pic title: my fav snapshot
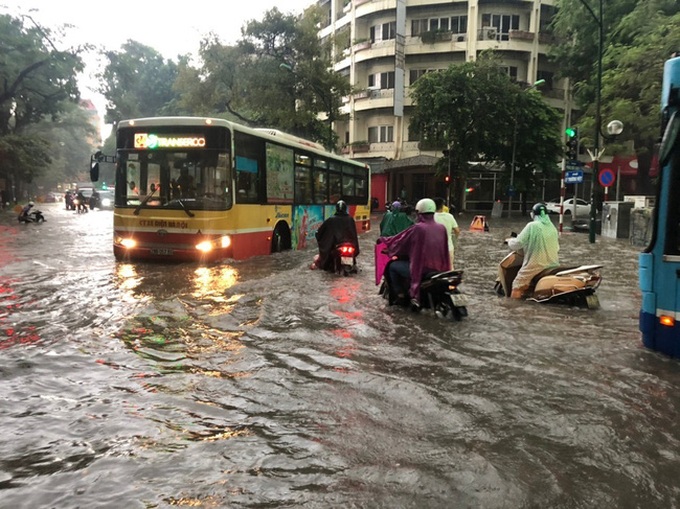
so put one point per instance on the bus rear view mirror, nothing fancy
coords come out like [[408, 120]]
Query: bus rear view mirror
[[94, 171]]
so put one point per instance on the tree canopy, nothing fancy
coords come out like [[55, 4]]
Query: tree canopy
[[476, 113], [638, 38], [37, 86], [138, 82]]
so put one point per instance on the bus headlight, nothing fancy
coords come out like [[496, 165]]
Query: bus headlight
[[205, 246], [128, 243], [225, 241]]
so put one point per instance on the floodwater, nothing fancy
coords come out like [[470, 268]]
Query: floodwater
[[260, 383]]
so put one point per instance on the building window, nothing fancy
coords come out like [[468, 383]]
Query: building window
[[381, 134], [548, 77], [414, 74], [459, 24], [503, 23], [383, 80], [510, 71], [418, 26], [383, 32], [454, 24]]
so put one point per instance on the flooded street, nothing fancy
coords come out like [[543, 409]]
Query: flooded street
[[260, 383]]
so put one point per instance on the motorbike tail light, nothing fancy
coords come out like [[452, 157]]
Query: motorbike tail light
[[347, 250], [666, 320]]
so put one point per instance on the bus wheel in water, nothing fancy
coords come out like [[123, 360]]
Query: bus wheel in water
[[280, 238]]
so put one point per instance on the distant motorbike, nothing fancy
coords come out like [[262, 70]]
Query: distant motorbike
[[570, 285], [345, 259], [80, 205], [439, 291], [68, 201], [34, 216]]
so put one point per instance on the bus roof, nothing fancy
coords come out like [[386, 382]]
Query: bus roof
[[267, 133]]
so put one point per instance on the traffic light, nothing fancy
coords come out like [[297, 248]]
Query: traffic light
[[572, 143], [447, 179]]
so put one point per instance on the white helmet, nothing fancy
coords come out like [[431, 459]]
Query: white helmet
[[30, 203], [426, 206]]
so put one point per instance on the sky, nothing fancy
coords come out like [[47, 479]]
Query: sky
[[170, 27]]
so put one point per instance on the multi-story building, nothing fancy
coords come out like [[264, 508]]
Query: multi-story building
[[384, 46]]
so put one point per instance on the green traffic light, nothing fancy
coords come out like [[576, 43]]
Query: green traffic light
[[571, 132]]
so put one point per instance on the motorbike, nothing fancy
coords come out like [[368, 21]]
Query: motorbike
[[80, 205], [34, 216], [439, 291], [570, 285], [345, 259]]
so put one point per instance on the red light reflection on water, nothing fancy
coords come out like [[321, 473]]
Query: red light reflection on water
[[11, 334], [346, 293]]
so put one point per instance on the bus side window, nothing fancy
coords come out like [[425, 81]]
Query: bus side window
[[246, 187], [303, 184], [335, 187]]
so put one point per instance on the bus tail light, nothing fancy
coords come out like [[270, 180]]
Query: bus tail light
[[666, 320]]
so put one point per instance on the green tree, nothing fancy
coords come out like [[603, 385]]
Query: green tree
[[71, 139], [137, 82], [639, 38], [276, 76], [475, 112], [37, 80]]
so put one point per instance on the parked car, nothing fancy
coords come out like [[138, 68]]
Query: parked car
[[582, 207]]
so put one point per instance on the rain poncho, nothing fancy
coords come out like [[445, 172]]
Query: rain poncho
[[393, 222], [425, 245], [540, 245], [335, 230], [450, 224]]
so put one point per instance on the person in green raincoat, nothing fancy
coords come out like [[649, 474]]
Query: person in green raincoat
[[394, 221], [539, 241]]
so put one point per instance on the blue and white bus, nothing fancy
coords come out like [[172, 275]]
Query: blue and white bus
[[660, 263]]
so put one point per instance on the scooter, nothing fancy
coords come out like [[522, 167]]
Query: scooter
[[345, 259], [34, 216], [573, 286], [80, 205], [439, 291]]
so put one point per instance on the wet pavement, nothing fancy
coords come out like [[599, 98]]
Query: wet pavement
[[260, 383]]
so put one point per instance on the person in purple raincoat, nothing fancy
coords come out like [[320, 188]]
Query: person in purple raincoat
[[422, 248]]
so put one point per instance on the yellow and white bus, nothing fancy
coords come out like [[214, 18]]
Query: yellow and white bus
[[206, 189]]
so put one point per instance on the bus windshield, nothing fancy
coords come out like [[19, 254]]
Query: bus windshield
[[174, 179]]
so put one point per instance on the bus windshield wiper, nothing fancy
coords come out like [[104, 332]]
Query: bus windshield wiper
[[144, 201], [186, 209]]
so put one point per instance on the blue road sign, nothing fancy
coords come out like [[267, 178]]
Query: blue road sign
[[573, 177]]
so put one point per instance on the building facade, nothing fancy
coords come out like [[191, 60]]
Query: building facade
[[384, 46]]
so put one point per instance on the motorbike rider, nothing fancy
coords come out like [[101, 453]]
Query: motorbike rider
[[26, 210], [539, 242], [394, 221], [82, 201], [335, 230], [443, 216], [416, 251]]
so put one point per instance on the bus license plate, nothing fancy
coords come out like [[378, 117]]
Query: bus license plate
[[459, 300], [164, 251], [346, 260]]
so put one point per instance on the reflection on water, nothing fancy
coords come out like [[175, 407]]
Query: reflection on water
[[261, 383]]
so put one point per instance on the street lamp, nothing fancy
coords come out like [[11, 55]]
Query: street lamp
[[598, 117], [514, 148], [327, 99]]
